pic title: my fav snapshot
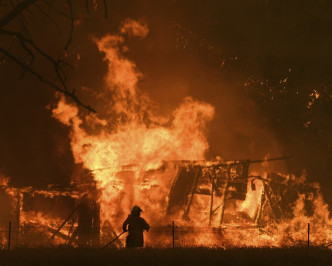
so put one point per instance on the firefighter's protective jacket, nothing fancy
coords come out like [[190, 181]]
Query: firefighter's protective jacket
[[136, 226]]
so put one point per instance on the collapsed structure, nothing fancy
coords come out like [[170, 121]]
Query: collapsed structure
[[202, 194], [36, 216], [221, 182]]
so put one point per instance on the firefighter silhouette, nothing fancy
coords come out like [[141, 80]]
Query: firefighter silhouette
[[136, 225]]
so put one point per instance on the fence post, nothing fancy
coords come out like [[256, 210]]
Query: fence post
[[9, 233], [173, 233], [308, 234]]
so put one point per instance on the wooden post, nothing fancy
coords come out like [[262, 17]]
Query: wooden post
[[308, 234], [186, 213], [66, 220], [224, 194], [173, 233], [211, 200], [17, 223], [9, 233]]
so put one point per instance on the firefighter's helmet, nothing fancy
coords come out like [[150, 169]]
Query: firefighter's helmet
[[136, 209]]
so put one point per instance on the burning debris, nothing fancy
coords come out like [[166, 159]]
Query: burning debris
[[36, 216], [212, 203], [137, 157], [221, 182]]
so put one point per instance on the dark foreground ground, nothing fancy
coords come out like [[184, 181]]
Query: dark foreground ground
[[177, 256]]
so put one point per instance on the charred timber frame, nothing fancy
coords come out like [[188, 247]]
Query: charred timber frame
[[212, 177], [74, 212], [18, 216], [224, 194], [212, 168], [75, 194], [186, 213], [92, 236]]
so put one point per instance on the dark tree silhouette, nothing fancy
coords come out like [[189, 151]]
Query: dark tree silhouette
[[18, 45]]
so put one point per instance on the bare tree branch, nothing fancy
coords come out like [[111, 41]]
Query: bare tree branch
[[106, 8], [71, 24], [29, 41], [47, 15], [33, 51], [64, 14], [56, 63], [16, 11], [71, 94], [21, 20]]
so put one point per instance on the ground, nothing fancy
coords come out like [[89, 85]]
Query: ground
[[176, 256]]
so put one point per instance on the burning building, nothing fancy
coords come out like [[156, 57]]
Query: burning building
[[39, 216], [213, 203], [137, 157]]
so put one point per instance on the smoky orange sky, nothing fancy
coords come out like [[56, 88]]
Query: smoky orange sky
[[203, 50]]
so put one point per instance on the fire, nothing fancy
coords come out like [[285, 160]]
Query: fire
[[139, 137], [128, 163], [138, 157]]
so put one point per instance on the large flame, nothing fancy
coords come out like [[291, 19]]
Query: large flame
[[134, 153], [126, 160], [139, 137]]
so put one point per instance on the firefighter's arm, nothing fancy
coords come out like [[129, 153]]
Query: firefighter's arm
[[124, 226], [146, 226]]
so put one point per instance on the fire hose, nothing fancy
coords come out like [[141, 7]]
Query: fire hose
[[109, 243]]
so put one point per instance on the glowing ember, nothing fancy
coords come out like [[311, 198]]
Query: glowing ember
[[134, 141], [140, 158], [143, 141]]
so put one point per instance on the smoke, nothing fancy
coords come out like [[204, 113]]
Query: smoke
[[134, 28], [137, 134]]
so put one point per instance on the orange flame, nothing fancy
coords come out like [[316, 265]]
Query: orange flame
[[134, 141], [126, 161]]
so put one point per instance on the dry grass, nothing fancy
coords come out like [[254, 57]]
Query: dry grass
[[177, 256]]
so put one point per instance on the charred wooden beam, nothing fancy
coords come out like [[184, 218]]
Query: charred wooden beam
[[224, 195], [16, 11], [65, 221], [186, 213]]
